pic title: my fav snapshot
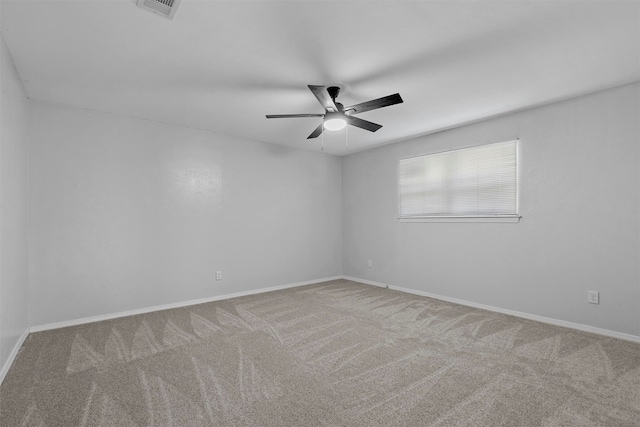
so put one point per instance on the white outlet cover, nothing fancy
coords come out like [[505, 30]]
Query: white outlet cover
[[593, 297]]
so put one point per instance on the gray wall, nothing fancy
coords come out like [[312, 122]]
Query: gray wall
[[13, 206], [579, 199], [128, 213]]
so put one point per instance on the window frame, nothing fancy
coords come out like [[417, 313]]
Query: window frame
[[452, 218]]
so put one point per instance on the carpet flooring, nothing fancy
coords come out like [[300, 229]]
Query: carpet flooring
[[333, 354]]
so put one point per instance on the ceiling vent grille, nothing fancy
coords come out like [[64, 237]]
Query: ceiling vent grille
[[165, 8]]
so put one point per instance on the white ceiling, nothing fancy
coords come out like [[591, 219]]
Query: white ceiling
[[223, 65]]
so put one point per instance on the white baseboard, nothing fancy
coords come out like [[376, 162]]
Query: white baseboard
[[13, 354], [571, 325], [551, 321], [101, 317], [366, 282]]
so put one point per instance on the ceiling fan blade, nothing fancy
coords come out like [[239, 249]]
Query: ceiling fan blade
[[363, 124], [323, 97], [288, 116], [375, 103], [317, 131]]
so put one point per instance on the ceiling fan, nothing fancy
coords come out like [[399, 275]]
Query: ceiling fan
[[336, 116]]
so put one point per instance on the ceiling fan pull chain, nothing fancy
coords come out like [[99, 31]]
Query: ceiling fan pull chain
[[322, 144], [346, 131]]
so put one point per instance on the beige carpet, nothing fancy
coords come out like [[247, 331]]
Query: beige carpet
[[334, 354]]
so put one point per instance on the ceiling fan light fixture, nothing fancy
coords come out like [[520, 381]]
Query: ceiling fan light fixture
[[334, 121]]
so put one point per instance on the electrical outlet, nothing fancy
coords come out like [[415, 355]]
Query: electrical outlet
[[218, 275], [370, 264], [593, 297]]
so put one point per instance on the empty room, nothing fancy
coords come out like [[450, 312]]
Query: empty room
[[319, 213]]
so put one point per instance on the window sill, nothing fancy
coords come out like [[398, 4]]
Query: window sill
[[513, 218]]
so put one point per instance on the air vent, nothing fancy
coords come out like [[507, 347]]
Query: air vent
[[165, 8]]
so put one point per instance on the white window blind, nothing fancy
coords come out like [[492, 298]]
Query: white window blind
[[471, 182]]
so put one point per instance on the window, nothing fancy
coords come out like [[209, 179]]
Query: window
[[472, 183]]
